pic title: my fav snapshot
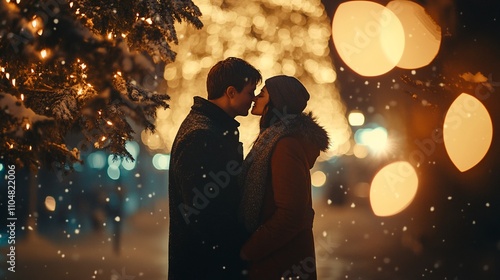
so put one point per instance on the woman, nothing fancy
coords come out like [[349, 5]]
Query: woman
[[276, 203]]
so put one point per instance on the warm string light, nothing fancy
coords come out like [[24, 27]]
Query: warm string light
[[43, 53], [37, 25]]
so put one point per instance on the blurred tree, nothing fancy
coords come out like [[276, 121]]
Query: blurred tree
[[85, 66]]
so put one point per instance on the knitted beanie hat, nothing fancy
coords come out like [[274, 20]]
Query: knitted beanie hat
[[287, 94]]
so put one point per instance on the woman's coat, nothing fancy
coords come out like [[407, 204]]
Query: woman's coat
[[283, 243]]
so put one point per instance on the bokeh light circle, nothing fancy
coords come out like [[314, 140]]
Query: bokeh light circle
[[467, 132], [393, 188], [422, 34], [369, 37]]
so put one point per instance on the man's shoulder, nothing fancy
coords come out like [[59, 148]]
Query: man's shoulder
[[195, 127], [197, 121]]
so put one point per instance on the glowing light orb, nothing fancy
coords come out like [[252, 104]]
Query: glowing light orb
[[467, 132], [97, 160], [50, 203], [113, 172], [393, 188], [376, 139], [356, 118], [161, 161], [318, 178], [422, 34], [369, 37]]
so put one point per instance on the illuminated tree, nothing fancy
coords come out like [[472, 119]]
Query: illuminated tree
[[277, 37], [85, 66]]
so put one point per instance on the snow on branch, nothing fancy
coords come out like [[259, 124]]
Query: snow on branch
[[82, 66]]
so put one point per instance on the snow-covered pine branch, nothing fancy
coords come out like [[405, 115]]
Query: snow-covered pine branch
[[81, 66]]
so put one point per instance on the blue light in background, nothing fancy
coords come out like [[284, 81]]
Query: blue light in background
[[161, 161], [114, 162], [97, 160], [114, 172], [376, 139]]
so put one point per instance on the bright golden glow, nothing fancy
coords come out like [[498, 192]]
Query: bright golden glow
[[356, 118], [277, 37], [368, 37], [318, 178], [43, 53], [37, 23], [467, 132], [393, 188], [50, 203], [422, 34], [360, 151]]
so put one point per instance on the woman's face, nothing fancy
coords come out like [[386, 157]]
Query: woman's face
[[260, 104]]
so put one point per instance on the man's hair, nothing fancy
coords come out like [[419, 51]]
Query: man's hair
[[231, 71]]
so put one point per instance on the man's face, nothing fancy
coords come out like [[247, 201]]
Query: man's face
[[242, 101]]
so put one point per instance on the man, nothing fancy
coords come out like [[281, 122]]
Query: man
[[205, 236]]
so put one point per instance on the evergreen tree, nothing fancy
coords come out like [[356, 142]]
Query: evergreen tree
[[83, 65]]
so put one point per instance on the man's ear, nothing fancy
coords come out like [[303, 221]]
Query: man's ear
[[231, 92]]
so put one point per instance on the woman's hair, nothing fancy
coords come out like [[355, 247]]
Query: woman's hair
[[269, 117]]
